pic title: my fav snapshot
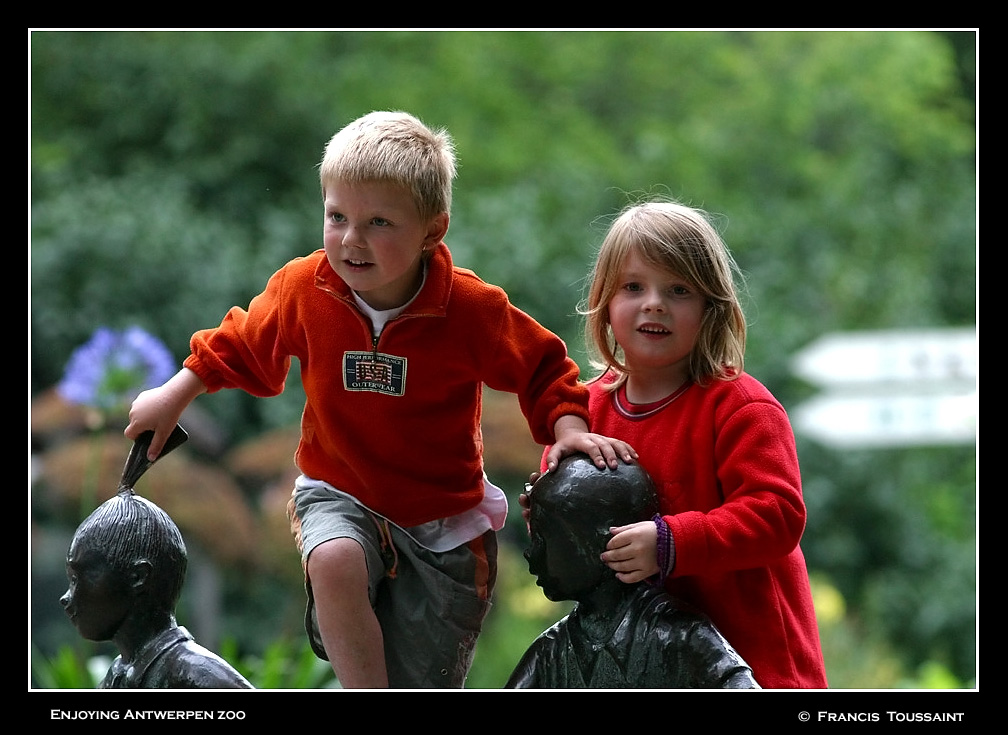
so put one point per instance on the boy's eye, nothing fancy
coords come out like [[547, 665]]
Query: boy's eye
[[336, 217], [381, 222]]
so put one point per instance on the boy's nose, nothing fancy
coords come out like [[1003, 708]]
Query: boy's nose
[[352, 238]]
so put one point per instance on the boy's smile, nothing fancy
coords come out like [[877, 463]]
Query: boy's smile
[[375, 238]]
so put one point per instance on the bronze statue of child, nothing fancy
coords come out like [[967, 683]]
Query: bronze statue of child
[[618, 635], [126, 566]]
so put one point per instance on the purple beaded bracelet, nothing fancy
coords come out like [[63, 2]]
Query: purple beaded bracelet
[[666, 548]]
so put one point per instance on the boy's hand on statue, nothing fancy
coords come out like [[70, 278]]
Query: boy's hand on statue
[[572, 436], [159, 409], [632, 552], [152, 411]]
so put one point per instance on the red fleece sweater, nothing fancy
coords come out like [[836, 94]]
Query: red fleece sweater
[[723, 458], [395, 421]]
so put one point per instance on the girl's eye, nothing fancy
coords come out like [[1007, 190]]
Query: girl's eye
[[632, 286], [680, 290]]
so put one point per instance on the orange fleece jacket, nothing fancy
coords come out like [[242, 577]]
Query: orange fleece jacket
[[395, 422]]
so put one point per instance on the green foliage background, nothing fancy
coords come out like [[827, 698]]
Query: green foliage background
[[173, 172]]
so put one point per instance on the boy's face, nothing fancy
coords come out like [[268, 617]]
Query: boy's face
[[98, 598], [374, 239]]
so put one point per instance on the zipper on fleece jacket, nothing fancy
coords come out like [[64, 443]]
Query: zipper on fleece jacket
[[368, 326], [376, 338]]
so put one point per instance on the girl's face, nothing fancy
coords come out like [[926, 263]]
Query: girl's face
[[374, 238], [655, 317]]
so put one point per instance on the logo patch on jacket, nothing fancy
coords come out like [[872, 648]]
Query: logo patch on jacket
[[375, 372]]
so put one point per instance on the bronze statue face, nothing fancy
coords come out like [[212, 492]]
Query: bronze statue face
[[566, 567], [98, 598]]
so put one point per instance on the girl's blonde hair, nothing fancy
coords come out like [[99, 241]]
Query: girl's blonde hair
[[681, 239], [394, 147]]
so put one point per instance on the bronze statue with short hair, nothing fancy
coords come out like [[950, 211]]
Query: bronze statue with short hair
[[126, 566], [618, 635]]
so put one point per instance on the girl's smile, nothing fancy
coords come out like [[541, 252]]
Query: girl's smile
[[657, 330], [655, 317]]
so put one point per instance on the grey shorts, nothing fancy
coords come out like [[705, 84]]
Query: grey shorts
[[430, 605]]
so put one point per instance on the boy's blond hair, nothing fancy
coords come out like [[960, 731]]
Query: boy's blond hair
[[680, 239], [394, 147]]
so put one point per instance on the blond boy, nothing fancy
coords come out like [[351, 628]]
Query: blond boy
[[393, 515]]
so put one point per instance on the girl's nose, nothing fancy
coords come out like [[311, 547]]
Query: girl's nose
[[653, 302]]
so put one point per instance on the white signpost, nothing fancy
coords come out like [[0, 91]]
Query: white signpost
[[890, 388]]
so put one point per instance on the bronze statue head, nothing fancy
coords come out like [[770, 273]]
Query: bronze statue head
[[126, 558], [571, 510]]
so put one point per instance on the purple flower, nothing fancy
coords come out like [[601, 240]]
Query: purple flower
[[113, 367]]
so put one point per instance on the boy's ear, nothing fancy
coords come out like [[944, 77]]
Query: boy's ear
[[436, 230], [140, 572]]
